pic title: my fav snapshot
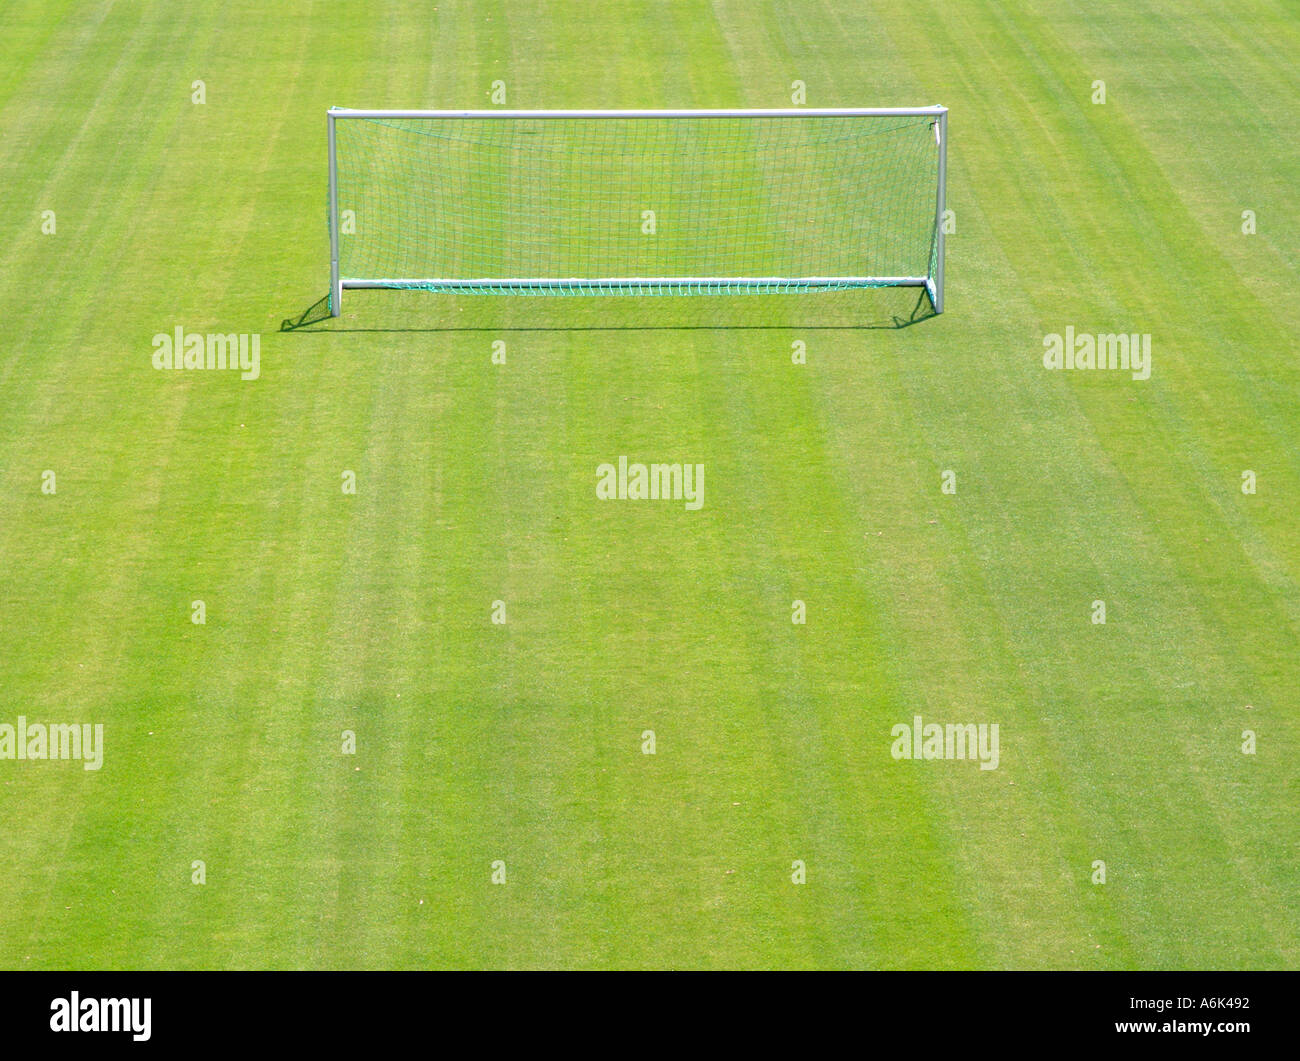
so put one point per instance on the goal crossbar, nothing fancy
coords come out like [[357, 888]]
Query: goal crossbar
[[932, 281], [780, 112]]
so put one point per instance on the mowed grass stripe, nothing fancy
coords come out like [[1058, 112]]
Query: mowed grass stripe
[[78, 619], [856, 372]]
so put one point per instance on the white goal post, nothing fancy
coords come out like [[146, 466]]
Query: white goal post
[[637, 201]]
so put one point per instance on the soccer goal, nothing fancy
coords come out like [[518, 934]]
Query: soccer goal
[[637, 202]]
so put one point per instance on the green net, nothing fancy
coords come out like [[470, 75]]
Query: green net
[[636, 205]]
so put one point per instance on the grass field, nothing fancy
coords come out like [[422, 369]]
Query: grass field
[[522, 741]]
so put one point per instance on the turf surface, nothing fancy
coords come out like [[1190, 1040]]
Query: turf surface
[[522, 742]]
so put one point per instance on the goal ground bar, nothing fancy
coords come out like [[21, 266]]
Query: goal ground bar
[[498, 283]]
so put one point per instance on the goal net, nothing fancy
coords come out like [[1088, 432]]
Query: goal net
[[637, 202]]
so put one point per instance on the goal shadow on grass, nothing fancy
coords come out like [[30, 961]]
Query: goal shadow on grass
[[414, 311]]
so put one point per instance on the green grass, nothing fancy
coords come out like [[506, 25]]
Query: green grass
[[479, 742]]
